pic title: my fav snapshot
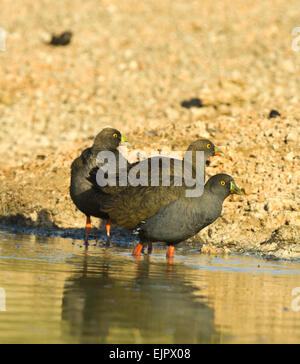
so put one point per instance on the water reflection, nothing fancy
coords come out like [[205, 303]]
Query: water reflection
[[153, 304], [56, 292]]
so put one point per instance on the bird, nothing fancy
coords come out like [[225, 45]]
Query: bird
[[84, 192], [166, 214]]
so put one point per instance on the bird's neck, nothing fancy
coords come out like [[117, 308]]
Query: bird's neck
[[206, 208]]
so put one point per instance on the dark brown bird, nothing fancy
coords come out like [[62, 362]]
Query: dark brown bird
[[85, 193], [166, 214]]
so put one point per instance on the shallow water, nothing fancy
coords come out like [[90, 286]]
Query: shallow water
[[53, 291]]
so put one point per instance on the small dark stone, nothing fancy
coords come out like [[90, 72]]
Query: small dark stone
[[209, 232], [62, 39], [273, 114], [194, 102]]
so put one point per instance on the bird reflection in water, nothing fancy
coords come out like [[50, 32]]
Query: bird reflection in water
[[116, 299]]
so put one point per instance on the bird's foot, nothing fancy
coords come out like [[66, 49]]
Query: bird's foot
[[170, 252], [88, 227], [137, 250]]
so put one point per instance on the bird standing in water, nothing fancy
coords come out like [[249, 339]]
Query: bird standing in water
[[85, 194], [166, 214]]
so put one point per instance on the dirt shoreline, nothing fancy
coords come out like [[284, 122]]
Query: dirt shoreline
[[281, 244], [131, 66]]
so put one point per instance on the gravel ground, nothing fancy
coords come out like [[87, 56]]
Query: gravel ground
[[130, 65]]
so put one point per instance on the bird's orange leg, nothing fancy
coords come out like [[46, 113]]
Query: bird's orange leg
[[170, 252], [108, 226], [137, 250], [88, 227]]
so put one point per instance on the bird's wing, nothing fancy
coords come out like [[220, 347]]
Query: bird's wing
[[81, 160], [111, 190], [135, 204]]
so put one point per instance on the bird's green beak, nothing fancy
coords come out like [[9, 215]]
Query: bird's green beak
[[124, 140], [234, 188], [219, 152]]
